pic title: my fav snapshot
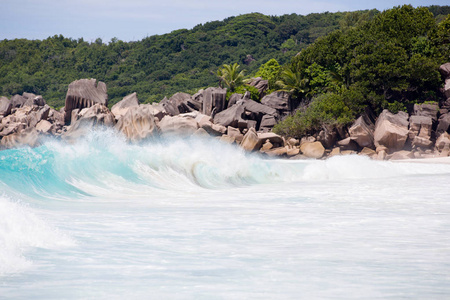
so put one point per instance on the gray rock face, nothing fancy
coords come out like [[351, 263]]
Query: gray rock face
[[426, 110], [27, 137], [178, 125], [232, 116], [120, 108], [84, 93], [177, 104], [391, 131], [267, 123], [251, 141], [5, 106], [445, 70], [138, 123], [327, 136], [420, 128], [273, 138], [259, 83], [447, 88], [234, 98], [443, 124], [312, 149], [258, 108], [37, 100], [278, 101], [443, 142], [23, 117], [214, 99], [362, 132], [87, 118], [27, 99]]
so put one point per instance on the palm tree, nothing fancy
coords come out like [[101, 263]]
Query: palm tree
[[230, 76], [293, 83]]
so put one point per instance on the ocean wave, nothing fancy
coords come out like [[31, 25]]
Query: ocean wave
[[20, 230], [103, 161]]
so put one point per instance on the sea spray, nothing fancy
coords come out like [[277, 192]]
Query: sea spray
[[196, 218], [21, 230]]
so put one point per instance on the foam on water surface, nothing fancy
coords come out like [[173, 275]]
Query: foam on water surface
[[198, 219]]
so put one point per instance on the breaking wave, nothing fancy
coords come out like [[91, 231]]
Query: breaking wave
[[104, 161]]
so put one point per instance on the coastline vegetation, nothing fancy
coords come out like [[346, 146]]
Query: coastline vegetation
[[335, 65]]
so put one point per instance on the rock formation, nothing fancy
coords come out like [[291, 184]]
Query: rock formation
[[84, 93], [121, 107], [391, 131], [138, 123], [247, 123]]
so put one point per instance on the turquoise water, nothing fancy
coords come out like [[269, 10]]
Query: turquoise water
[[197, 219]]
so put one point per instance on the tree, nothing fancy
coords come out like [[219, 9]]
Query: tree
[[230, 76], [291, 81], [269, 71]]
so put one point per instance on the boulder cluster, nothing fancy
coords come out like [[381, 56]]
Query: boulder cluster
[[24, 119]]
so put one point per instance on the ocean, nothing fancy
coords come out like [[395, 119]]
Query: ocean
[[195, 218]]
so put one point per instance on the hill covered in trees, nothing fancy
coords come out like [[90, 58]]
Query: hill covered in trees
[[390, 62], [186, 60], [161, 65]]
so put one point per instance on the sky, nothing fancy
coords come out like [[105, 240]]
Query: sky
[[133, 20]]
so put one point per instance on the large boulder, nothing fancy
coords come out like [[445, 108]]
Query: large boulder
[[258, 108], [22, 118], [235, 134], [420, 128], [362, 132], [251, 141], [232, 116], [391, 131], [312, 149], [273, 138], [177, 104], [37, 114], [86, 119], [138, 123], [427, 110], [5, 106], [45, 127], [34, 100], [445, 70], [26, 99], [443, 124], [447, 88], [261, 84], [84, 93], [182, 124], [214, 100], [18, 101], [327, 136], [27, 137], [120, 108], [443, 142], [206, 123], [234, 98], [267, 123], [278, 101]]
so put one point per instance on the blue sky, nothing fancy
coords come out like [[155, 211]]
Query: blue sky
[[132, 20]]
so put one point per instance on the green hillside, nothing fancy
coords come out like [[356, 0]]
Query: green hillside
[[161, 65]]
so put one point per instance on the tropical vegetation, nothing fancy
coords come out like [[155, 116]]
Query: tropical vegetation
[[335, 65]]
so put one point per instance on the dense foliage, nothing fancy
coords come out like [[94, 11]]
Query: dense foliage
[[390, 61], [160, 65]]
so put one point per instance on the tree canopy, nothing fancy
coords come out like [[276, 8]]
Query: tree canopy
[[390, 61], [160, 65]]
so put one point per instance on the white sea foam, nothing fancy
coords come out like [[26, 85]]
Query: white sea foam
[[21, 230], [197, 219]]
